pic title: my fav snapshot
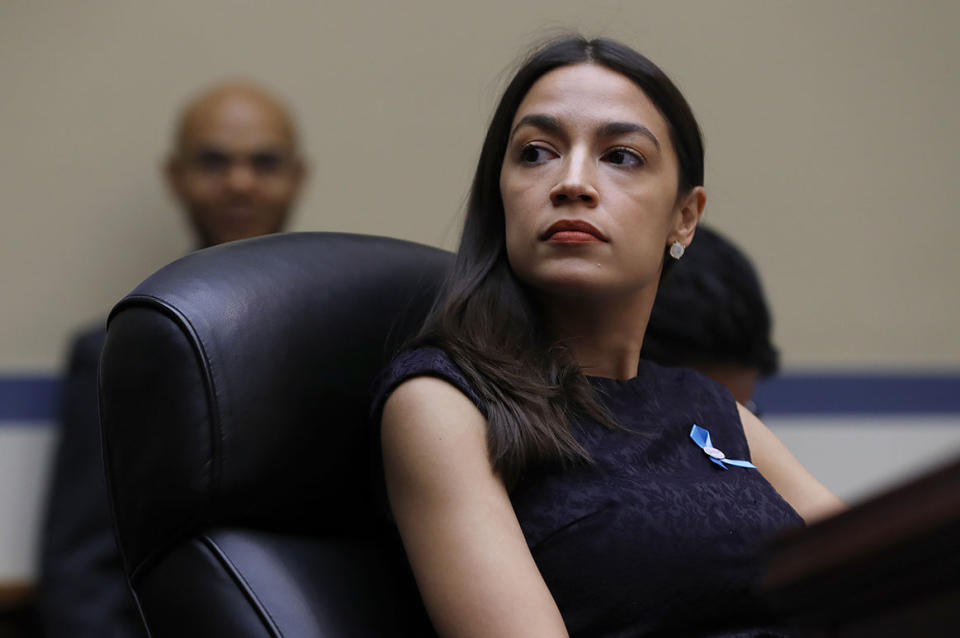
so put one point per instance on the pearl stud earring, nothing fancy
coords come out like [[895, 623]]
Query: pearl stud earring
[[676, 250]]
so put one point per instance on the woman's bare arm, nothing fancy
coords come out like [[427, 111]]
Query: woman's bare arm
[[473, 567], [812, 500]]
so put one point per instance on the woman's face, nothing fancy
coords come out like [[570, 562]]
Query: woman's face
[[589, 186]]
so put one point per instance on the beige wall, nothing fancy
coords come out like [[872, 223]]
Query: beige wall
[[831, 136]]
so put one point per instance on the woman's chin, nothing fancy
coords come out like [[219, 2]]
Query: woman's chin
[[578, 285]]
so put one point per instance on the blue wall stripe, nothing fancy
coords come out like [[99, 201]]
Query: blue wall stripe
[[846, 393], [36, 398], [33, 398]]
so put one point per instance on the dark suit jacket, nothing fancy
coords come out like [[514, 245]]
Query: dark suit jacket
[[83, 591]]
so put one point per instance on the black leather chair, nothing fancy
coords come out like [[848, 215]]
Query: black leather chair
[[234, 390]]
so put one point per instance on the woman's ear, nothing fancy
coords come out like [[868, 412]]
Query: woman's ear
[[688, 216]]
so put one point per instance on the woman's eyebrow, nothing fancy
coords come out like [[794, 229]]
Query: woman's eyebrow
[[613, 129], [542, 121], [550, 124]]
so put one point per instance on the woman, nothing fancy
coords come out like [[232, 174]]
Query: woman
[[544, 479]]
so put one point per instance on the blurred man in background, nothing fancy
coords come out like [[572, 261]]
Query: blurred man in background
[[711, 315], [235, 169]]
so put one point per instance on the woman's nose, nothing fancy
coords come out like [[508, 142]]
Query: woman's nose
[[576, 183]]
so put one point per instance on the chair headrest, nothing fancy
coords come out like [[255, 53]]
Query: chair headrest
[[235, 384]]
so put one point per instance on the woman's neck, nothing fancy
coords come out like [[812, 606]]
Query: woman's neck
[[604, 336]]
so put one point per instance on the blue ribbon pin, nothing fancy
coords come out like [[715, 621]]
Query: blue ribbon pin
[[702, 438]]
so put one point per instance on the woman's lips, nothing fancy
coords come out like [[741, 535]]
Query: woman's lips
[[572, 231], [572, 237]]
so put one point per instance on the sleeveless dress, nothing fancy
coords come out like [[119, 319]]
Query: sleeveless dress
[[653, 539]]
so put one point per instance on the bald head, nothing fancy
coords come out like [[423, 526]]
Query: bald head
[[235, 108], [235, 166]]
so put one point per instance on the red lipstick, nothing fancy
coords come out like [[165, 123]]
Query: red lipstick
[[572, 231]]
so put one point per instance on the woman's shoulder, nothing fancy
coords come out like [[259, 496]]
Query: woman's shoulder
[[426, 361]]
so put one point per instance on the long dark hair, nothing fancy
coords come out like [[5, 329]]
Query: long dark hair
[[486, 320]]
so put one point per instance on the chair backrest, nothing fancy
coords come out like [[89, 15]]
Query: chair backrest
[[234, 389]]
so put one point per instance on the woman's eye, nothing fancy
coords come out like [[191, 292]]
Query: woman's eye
[[531, 154], [624, 157]]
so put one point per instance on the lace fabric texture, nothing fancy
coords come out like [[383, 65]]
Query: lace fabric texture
[[653, 538]]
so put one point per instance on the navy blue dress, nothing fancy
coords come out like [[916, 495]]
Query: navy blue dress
[[654, 539]]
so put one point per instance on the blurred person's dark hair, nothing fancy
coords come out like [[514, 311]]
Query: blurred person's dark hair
[[710, 312]]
